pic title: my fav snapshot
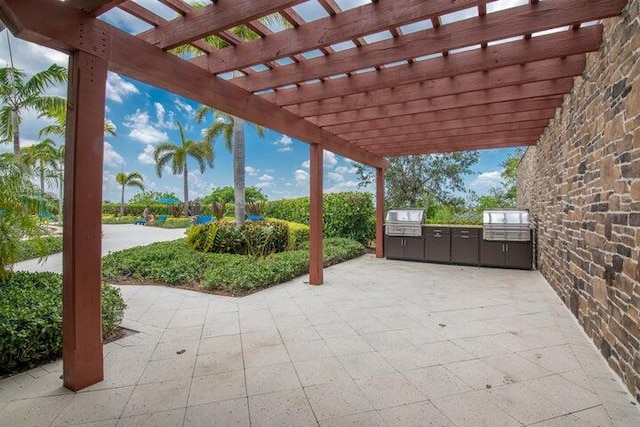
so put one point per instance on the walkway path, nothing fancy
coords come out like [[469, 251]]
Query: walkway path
[[115, 238]]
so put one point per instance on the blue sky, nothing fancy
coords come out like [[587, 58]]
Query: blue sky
[[145, 116]]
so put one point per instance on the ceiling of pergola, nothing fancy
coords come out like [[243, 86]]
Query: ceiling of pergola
[[383, 78]]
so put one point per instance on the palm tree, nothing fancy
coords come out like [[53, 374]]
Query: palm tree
[[133, 179], [232, 131], [18, 94], [59, 128], [177, 156], [42, 157]]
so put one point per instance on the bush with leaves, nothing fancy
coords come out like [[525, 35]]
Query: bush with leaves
[[29, 249], [350, 214], [31, 318]]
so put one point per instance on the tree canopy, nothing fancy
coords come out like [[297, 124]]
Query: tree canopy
[[227, 195]]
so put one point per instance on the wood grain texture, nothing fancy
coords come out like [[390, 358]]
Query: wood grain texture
[[315, 214], [379, 213]]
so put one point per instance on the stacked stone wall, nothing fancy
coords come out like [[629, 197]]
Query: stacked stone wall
[[582, 185]]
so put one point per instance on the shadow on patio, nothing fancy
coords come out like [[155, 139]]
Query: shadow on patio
[[380, 343]]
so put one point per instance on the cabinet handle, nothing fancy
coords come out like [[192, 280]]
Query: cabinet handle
[[503, 248], [464, 237], [464, 231], [507, 247]]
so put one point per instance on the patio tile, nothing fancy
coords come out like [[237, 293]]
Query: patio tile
[[515, 367], [265, 356], [168, 369], [256, 320], [442, 352], [217, 387], [523, 404], [406, 358], [369, 419], [335, 330], [478, 374], [555, 359], [234, 412], [385, 340], [365, 365], [218, 344], [385, 391], [337, 399], [36, 412], [272, 378], [302, 333], [348, 345], [94, 406], [599, 416], [321, 371], [157, 397], [436, 381], [309, 350], [188, 317], [473, 410], [260, 339], [283, 408], [481, 346], [420, 335], [174, 350], [415, 415], [563, 393], [226, 323], [171, 418], [218, 362], [182, 334]]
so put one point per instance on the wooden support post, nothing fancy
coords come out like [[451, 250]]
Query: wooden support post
[[379, 213], [315, 215], [81, 313]]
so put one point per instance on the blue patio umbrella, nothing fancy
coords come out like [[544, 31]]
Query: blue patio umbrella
[[167, 200]]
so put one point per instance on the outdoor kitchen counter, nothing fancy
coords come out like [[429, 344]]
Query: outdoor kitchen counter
[[459, 244]]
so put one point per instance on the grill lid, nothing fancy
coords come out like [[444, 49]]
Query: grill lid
[[405, 216], [505, 217]]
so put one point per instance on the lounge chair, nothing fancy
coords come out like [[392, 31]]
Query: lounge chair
[[161, 218], [203, 219], [140, 221]]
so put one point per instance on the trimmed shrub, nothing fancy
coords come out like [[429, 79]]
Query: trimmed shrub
[[30, 249], [31, 318], [350, 215]]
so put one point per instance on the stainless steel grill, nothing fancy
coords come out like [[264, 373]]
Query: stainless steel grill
[[404, 222], [508, 225]]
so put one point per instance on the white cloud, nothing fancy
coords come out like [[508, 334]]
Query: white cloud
[[142, 130], [264, 184], [118, 89], [306, 164], [111, 156], [250, 170], [329, 159], [198, 185], [265, 177], [113, 125], [160, 117], [301, 177], [342, 169], [183, 106], [283, 143], [486, 181], [333, 176], [146, 156], [342, 186]]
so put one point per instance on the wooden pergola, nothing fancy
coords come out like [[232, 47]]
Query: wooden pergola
[[386, 78]]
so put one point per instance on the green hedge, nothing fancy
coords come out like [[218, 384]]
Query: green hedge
[[31, 318], [350, 215], [134, 210], [173, 263], [30, 249]]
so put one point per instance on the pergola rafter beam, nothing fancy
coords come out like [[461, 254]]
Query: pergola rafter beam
[[211, 19], [346, 25], [549, 69], [59, 26], [453, 144], [509, 93], [494, 26], [551, 46], [463, 113], [95, 7]]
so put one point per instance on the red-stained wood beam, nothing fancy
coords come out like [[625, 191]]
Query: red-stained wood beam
[[508, 93], [59, 26], [178, 6], [346, 25], [82, 237], [493, 26], [427, 128], [315, 215], [379, 213], [219, 16], [142, 13], [456, 144], [550, 69], [550, 46], [95, 7], [514, 128], [484, 112]]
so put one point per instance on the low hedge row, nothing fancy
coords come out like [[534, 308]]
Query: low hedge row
[[30, 249], [175, 264], [31, 318]]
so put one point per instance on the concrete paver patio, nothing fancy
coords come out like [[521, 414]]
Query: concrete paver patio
[[381, 343]]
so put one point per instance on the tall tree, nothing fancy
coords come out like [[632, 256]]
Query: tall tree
[[510, 173], [43, 157], [413, 180], [133, 179], [177, 156], [232, 131], [59, 128], [17, 93]]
